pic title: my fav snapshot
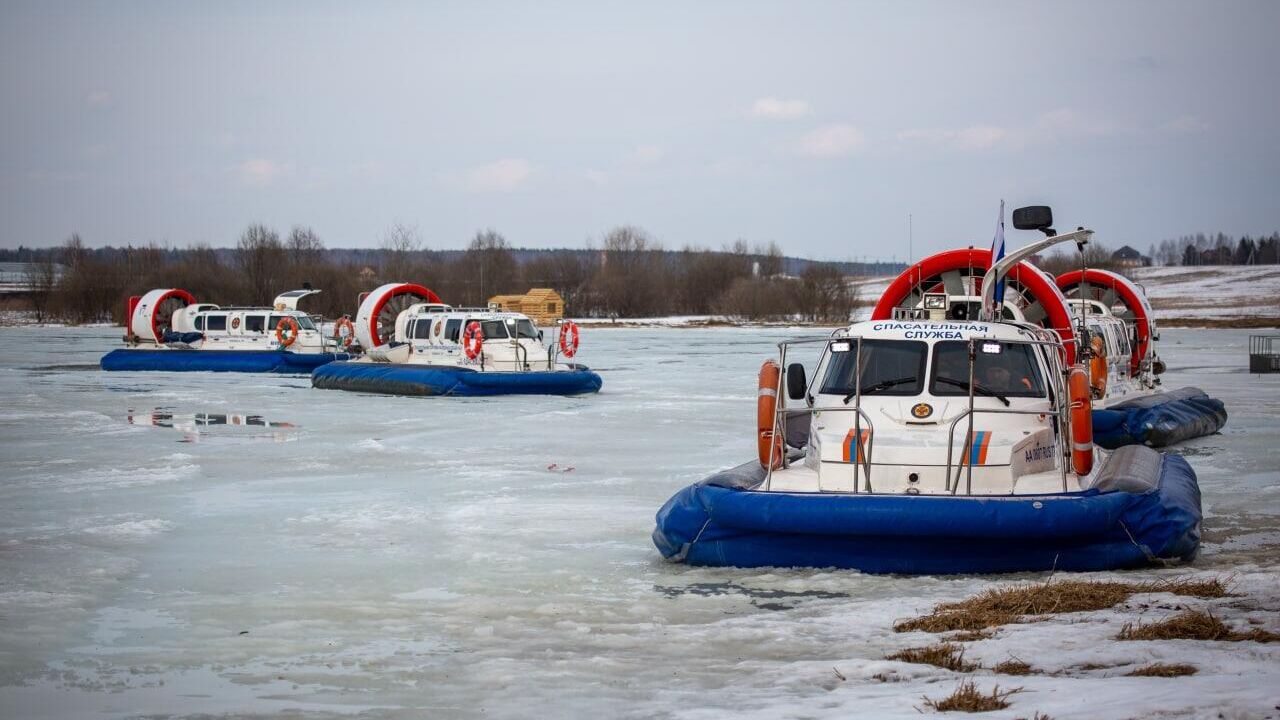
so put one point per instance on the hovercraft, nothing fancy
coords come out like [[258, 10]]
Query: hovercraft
[[166, 329], [430, 348], [1130, 406], [944, 435]]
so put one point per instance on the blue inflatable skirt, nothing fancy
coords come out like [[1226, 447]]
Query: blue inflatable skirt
[[254, 361], [1159, 420], [720, 522], [404, 379]]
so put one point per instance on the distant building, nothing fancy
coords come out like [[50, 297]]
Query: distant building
[[544, 306], [1128, 257]]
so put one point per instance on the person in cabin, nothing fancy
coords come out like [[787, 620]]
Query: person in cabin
[[998, 378]]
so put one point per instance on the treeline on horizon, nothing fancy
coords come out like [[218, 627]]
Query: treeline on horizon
[[629, 275], [1219, 249]]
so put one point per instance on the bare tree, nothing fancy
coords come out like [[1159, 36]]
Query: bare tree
[[632, 280], [262, 259], [87, 289], [770, 259], [757, 298], [566, 272], [824, 295], [486, 269], [702, 276], [306, 255], [304, 245], [400, 243], [41, 275]]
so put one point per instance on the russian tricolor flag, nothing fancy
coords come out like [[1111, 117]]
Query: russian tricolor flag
[[997, 252]]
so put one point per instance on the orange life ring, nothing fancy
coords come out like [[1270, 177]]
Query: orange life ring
[[1081, 420], [768, 445], [349, 337], [472, 340], [569, 338], [1098, 367], [287, 340]]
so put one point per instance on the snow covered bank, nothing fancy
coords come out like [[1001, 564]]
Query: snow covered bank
[[1185, 296]]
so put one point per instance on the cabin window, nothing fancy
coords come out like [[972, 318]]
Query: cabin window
[[215, 322], [889, 367], [199, 322], [452, 329], [304, 322], [421, 330], [526, 330], [493, 329], [254, 323], [1005, 369]]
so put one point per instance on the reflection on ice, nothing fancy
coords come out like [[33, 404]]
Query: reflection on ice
[[203, 424]]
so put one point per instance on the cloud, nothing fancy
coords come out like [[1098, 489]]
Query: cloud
[[974, 137], [777, 109], [501, 176], [259, 172], [98, 99], [832, 141], [1062, 125]]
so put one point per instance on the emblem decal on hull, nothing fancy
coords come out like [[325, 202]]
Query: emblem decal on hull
[[921, 410]]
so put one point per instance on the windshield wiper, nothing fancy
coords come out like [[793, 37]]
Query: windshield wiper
[[976, 388], [870, 390]]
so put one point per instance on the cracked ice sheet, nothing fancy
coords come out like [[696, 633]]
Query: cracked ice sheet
[[409, 557]]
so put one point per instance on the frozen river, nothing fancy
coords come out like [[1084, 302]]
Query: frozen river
[[199, 544]]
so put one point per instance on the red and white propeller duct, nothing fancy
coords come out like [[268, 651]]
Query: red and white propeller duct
[[151, 315], [376, 319], [1125, 300]]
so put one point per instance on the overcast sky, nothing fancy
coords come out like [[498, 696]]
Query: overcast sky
[[818, 126]]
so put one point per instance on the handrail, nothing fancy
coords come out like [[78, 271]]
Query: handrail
[[1055, 375], [951, 436], [861, 458]]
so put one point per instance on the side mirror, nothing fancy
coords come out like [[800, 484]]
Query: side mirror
[[1033, 217], [796, 382], [539, 336]]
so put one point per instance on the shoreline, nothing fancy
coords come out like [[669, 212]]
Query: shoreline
[[1214, 323]]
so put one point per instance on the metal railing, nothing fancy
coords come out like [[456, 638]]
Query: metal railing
[[861, 456], [1264, 353], [1056, 375], [1059, 407]]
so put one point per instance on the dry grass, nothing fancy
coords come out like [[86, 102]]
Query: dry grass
[[1038, 716], [967, 698], [971, 636], [1193, 625], [1001, 606], [943, 655], [1014, 666], [1163, 670], [1094, 666]]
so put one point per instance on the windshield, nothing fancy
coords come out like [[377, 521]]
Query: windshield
[[525, 329], [1007, 369], [889, 367]]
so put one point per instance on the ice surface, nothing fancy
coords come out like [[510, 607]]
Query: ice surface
[[162, 554]]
